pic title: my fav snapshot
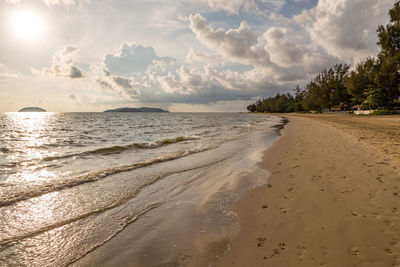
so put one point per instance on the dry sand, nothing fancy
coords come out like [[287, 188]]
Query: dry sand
[[333, 198]]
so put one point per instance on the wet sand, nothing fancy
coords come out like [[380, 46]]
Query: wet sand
[[333, 198]]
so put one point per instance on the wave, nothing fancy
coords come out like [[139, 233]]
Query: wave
[[127, 221], [17, 193], [105, 150], [4, 244], [8, 241], [4, 150], [119, 149]]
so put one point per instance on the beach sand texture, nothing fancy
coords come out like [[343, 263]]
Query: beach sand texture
[[333, 198]]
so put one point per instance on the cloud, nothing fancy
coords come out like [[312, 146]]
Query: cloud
[[194, 55], [110, 82], [62, 64], [238, 45], [75, 72], [6, 74], [219, 106], [345, 28], [271, 54], [282, 52], [167, 81], [60, 2], [137, 73], [131, 58], [55, 2], [242, 64], [231, 6], [9, 75], [258, 7]]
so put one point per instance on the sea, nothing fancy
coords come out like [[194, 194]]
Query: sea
[[126, 189]]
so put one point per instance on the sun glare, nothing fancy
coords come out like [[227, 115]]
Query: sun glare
[[28, 25]]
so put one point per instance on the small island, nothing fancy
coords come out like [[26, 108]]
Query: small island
[[32, 109], [142, 109]]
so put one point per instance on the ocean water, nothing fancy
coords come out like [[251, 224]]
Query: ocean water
[[106, 188]]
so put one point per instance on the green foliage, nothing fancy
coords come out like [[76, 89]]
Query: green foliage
[[328, 88], [386, 74], [359, 80], [375, 97], [279, 103], [299, 96], [252, 108], [389, 36]]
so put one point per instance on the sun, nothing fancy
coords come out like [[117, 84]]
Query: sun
[[27, 25]]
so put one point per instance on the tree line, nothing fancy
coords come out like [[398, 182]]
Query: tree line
[[373, 83]]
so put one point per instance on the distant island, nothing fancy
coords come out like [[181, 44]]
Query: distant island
[[142, 109], [32, 109]]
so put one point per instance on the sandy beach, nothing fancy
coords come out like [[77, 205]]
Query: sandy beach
[[333, 198]]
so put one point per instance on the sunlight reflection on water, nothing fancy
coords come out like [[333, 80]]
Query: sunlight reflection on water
[[30, 131]]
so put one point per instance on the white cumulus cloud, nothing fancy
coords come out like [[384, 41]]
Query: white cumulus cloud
[[346, 28], [238, 45], [62, 64]]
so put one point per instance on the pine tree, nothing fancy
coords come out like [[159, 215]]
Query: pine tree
[[387, 69]]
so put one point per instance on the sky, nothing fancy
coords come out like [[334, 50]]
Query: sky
[[184, 56]]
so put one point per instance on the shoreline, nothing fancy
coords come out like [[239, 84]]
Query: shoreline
[[194, 225], [331, 199]]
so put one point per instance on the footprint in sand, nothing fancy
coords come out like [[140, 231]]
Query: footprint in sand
[[325, 251], [354, 251], [388, 251], [261, 242], [301, 252], [371, 196], [275, 252], [382, 163], [282, 246], [395, 242]]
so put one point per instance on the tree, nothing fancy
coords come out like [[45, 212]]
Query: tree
[[252, 108], [387, 71], [338, 92], [389, 36], [282, 103], [327, 88], [298, 99], [360, 80]]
